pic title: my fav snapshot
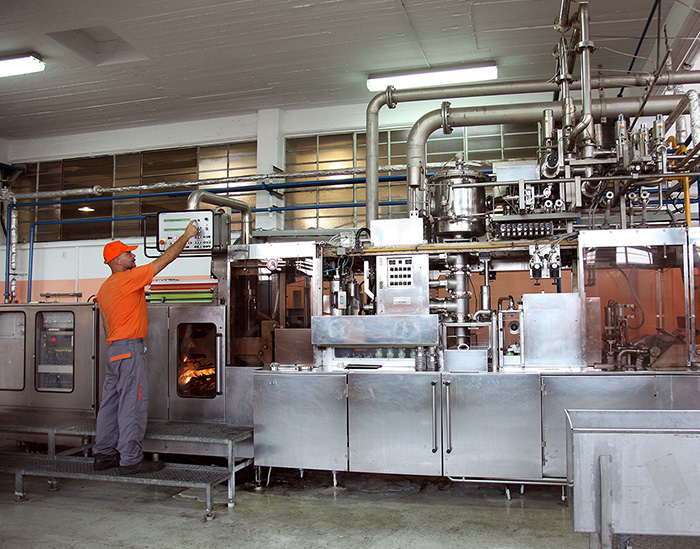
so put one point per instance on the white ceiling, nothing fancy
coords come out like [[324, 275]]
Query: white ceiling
[[162, 61]]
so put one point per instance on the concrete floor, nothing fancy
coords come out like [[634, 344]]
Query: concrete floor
[[364, 511]]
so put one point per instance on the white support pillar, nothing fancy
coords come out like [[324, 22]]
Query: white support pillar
[[270, 156]]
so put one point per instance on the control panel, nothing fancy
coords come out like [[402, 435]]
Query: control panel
[[403, 284], [213, 230], [400, 272]]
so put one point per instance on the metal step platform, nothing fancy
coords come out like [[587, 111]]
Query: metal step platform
[[182, 476], [204, 439]]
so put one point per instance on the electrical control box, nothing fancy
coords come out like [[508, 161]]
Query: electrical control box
[[403, 285], [213, 230]]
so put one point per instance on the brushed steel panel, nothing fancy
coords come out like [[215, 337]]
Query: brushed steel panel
[[157, 361], [239, 395], [586, 392], [678, 391], [653, 470], [300, 420], [495, 426], [12, 342], [395, 232], [552, 330], [391, 428], [386, 330], [631, 237]]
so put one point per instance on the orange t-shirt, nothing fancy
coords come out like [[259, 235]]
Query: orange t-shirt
[[122, 298]]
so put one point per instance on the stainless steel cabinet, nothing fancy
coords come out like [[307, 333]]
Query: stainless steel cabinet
[[586, 392], [394, 422], [300, 420], [491, 426], [49, 355]]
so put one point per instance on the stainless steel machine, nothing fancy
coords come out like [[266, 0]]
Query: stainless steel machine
[[449, 342]]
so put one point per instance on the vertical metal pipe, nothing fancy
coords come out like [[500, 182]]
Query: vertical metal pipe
[[196, 197], [372, 158], [461, 295], [694, 104], [681, 131], [686, 200], [562, 22], [586, 97]]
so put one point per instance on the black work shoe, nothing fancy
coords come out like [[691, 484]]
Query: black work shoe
[[105, 461], [142, 467]]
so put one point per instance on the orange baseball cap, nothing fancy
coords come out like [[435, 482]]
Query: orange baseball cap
[[113, 249]]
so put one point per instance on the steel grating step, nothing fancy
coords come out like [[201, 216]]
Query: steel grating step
[[81, 468], [28, 421]]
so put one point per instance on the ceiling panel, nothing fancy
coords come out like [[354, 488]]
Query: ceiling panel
[[208, 58]]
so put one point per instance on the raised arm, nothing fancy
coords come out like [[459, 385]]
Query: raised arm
[[175, 249]]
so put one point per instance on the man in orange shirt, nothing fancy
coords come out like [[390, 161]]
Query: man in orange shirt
[[121, 419]]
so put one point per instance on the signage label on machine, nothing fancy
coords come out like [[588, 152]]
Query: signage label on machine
[[402, 300], [171, 225]]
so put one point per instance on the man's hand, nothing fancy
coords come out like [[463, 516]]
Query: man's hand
[[175, 248], [191, 230]]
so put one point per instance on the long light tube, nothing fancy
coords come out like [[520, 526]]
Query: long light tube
[[24, 64], [434, 78]]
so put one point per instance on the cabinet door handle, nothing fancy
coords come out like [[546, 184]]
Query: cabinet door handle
[[219, 363], [448, 418], [435, 416]]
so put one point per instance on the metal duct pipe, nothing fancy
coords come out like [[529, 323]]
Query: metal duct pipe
[[461, 294], [514, 114], [194, 200], [392, 97], [562, 22], [694, 103], [586, 47]]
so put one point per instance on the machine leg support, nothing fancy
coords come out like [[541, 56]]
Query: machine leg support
[[258, 477], [508, 496], [232, 470], [209, 515], [19, 488], [53, 484]]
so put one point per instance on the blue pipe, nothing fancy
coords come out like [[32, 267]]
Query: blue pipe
[[61, 222], [641, 39], [30, 270], [259, 187]]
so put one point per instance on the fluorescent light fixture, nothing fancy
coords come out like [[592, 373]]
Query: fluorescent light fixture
[[86, 209], [433, 78], [23, 64]]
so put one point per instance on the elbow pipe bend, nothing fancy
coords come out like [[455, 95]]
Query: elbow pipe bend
[[197, 197]]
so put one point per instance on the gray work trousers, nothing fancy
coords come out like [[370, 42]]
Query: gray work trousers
[[121, 419]]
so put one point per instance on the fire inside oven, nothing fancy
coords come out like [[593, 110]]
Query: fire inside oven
[[196, 360]]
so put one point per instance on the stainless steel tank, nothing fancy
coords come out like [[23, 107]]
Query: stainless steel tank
[[458, 204]]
